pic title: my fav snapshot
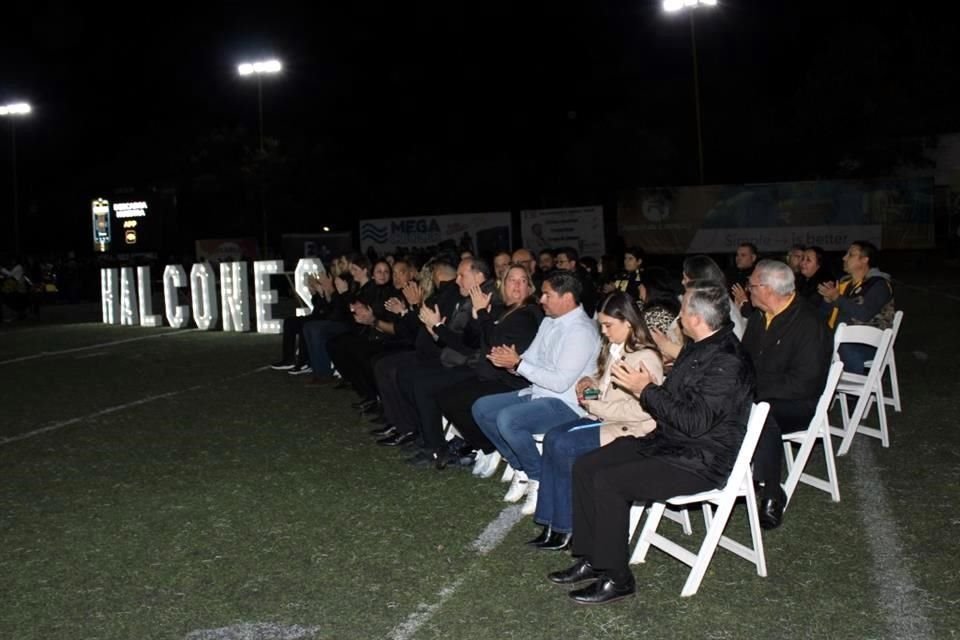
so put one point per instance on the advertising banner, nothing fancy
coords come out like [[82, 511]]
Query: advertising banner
[[577, 227], [893, 214], [483, 233]]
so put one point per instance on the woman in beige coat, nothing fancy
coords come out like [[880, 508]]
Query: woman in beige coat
[[613, 413]]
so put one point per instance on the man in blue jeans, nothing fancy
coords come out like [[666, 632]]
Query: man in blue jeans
[[564, 350]]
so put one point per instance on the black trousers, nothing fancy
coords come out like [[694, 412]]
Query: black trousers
[[397, 408], [424, 386], [606, 483], [293, 334], [785, 416], [456, 403]]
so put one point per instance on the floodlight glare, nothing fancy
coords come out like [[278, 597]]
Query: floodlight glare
[[672, 6], [259, 67], [15, 109]]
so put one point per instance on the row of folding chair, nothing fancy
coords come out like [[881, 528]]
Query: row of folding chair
[[718, 504]]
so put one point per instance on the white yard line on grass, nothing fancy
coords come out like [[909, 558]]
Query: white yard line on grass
[[121, 407], [44, 354], [903, 603], [487, 541], [255, 631]]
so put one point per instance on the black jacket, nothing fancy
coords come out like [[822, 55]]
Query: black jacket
[[519, 329], [702, 408], [791, 357]]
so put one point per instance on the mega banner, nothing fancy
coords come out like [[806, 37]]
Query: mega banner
[[893, 214], [483, 233], [577, 227]]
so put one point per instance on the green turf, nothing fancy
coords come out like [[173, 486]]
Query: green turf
[[248, 498]]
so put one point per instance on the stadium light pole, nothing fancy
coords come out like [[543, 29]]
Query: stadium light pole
[[259, 69], [13, 111], [691, 6]]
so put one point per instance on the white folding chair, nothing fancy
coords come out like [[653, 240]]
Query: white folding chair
[[890, 365], [818, 429], [739, 484], [867, 389]]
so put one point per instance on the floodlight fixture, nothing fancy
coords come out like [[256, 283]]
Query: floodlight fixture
[[260, 67], [15, 109]]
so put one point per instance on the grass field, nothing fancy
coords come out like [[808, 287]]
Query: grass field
[[161, 484]]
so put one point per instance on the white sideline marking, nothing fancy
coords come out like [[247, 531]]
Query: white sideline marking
[[254, 631], [487, 541], [120, 407], [44, 354], [902, 601]]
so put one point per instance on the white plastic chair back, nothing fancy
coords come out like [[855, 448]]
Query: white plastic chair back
[[739, 484], [818, 429], [867, 389]]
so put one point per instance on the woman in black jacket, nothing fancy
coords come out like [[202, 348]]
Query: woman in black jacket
[[516, 324]]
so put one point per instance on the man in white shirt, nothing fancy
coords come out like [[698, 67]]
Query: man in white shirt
[[564, 350]]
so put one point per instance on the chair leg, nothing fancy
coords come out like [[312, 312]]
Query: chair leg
[[882, 415], [636, 512], [654, 513], [714, 530], [894, 383], [831, 463], [756, 535], [853, 423]]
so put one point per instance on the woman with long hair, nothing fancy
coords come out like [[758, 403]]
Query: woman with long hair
[[613, 413], [516, 323]]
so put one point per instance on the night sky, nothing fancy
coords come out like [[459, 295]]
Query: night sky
[[389, 108]]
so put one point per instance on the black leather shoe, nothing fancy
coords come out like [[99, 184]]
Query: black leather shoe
[[771, 510], [604, 591], [384, 431], [579, 572], [540, 539], [422, 459], [558, 541], [396, 440]]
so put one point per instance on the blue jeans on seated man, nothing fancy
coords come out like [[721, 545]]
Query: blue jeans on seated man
[[510, 421], [561, 448], [854, 355], [315, 334]]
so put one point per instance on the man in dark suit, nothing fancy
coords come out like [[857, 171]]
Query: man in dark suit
[[701, 412], [790, 348]]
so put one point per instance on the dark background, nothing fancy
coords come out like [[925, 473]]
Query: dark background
[[389, 108]]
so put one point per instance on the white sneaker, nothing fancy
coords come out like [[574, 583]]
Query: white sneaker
[[490, 465], [478, 463], [299, 371], [530, 504], [507, 474], [518, 487]]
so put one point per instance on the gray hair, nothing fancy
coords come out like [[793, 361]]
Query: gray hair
[[709, 300], [776, 275]]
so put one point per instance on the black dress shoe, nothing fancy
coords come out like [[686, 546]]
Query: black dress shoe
[[579, 572], [422, 459], [384, 431], [540, 539], [771, 510], [604, 591], [558, 541], [396, 440]]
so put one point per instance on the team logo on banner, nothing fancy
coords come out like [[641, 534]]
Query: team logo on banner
[[373, 233]]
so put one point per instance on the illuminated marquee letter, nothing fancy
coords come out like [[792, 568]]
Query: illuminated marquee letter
[[203, 289], [128, 305], [145, 298], [233, 294], [174, 277], [265, 296], [108, 295], [306, 268]]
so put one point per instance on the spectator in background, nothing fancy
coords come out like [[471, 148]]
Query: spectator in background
[[501, 262], [628, 280], [744, 261], [546, 262], [567, 259], [795, 257], [813, 273]]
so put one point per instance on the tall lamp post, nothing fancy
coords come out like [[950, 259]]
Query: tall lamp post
[[259, 69], [14, 111], [690, 6]]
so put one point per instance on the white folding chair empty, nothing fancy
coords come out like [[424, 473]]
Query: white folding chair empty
[[868, 389], [890, 365], [818, 429], [739, 484]]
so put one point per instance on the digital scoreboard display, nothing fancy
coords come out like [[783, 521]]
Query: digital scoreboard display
[[125, 226]]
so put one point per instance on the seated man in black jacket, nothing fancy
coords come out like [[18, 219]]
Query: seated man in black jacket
[[701, 412], [790, 349]]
